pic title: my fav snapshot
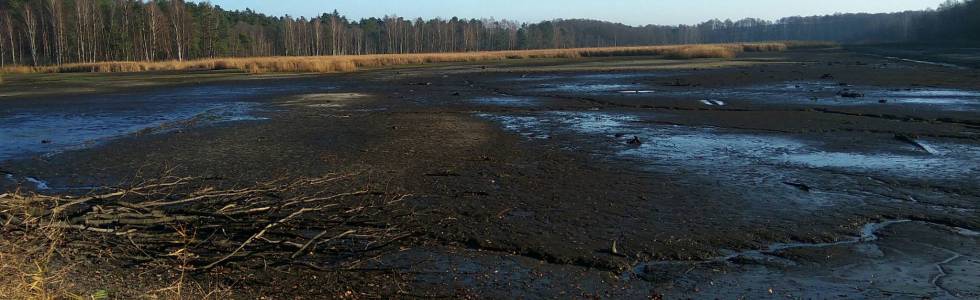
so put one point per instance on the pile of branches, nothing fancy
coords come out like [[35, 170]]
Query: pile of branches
[[317, 222]]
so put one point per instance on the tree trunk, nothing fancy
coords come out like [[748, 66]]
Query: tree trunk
[[177, 23], [30, 28]]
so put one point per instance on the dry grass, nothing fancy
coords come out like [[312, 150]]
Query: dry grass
[[29, 247], [765, 47], [810, 44], [710, 51], [19, 70], [351, 63]]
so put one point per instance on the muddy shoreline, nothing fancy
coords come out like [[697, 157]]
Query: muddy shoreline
[[608, 177]]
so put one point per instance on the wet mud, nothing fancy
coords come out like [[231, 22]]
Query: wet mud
[[813, 174]]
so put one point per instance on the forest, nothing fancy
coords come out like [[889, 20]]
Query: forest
[[56, 32]]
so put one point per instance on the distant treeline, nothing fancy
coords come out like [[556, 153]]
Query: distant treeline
[[54, 32]]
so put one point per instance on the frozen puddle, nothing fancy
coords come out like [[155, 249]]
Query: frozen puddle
[[585, 87], [32, 133], [714, 147], [637, 92], [39, 184], [712, 102], [614, 83], [509, 101], [929, 63], [74, 122], [868, 234], [592, 77], [830, 94], [738, 160]]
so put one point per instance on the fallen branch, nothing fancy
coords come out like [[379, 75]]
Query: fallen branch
[[210, 225]]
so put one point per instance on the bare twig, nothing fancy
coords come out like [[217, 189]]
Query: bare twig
[[217, 224]]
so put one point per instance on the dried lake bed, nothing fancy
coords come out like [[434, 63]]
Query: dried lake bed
[[803, 174]]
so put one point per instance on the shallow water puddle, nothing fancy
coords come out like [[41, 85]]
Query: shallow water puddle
[[32, 132], [592, 77], [39, 184], [868, 233], [620, 83], [509, 101], [585, 87], [783, 167], [637, 92], [712, 146], [911, 255], [81, 121], [948, 65], [830, 94]]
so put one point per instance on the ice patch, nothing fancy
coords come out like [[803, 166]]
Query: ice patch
[[636, 92], [928, 62], [583, 88], [85, 120], [967, 232], [507, 101], [749, 167], [39, 184], [826, 93], [868, 234], [928, 148], [709, 150], [591, 77], [50, 133], [528, 127]]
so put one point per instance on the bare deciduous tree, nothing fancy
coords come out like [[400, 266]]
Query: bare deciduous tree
[[42, 32]]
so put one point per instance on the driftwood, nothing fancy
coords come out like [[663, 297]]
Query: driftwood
[[205, 225]]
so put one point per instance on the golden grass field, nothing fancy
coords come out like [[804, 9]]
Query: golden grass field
[[351, 63]]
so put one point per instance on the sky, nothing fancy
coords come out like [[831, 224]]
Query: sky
[[631, 12]]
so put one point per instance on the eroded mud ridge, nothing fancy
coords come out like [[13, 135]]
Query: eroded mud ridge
[[816, 174]]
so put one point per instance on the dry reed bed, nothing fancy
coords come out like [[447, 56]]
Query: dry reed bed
[[810, 44], [351, 63], [187, 224]]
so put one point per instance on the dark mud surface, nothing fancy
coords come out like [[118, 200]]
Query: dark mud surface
[[812, 174]]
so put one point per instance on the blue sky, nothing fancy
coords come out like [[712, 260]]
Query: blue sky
[[633, 12]]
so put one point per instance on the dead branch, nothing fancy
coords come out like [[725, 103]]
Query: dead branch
[[210, 225]]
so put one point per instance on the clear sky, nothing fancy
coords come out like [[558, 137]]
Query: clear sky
[[632, 12]]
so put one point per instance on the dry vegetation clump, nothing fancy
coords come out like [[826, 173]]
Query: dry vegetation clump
[[28, 268], [21, 70], [350, 63], [178, 226], [703, 51], [810, 44], [764, 47]]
